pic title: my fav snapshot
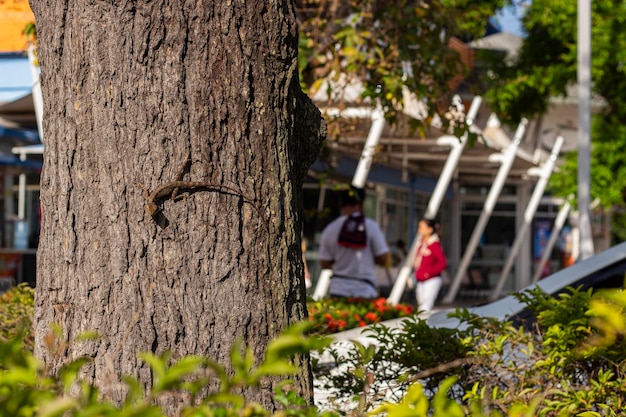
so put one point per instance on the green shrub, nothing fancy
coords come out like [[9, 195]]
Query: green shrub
[[327, 316], [16, 314], [570, 361], [26, 389], [386, 371]]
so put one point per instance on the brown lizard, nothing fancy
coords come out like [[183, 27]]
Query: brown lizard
[[173, 188]]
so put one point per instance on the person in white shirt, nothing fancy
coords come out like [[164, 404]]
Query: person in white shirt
[[352, 245]]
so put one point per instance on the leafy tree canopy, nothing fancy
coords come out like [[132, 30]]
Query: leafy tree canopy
[[547, 66], [389, 45]]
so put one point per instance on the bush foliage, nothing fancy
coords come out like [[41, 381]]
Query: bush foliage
[[569, 360], [27, 389], [16, 314]]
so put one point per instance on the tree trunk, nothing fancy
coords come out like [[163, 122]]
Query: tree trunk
[[136, 94]]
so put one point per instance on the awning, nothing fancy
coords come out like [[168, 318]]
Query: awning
[[18, 114], [12, 160], [402, 150], [23, 104], [28, 150], [25, 135]]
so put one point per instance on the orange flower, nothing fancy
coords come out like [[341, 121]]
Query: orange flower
[[380, 302], [404, 309], [380, 305], [362, 323], [371, 317], [332, 325]]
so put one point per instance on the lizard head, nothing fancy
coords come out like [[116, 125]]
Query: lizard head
[[152, 208]]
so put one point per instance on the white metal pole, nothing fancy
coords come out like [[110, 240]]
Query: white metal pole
[[323, 283], [457, 146], [360, 176], [21, 227], [575, 237], [556, 229], [531, 209], [584, 123], [490, 202], [451, 163], [21, 192], [369, 149], [36, 90]]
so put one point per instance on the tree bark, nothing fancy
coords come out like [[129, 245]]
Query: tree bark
[[132, 90]]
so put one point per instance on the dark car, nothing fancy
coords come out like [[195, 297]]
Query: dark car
[[604, 270]]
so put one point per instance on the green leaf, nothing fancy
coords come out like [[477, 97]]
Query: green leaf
[[69, 373], [279, 368], [57, 407]]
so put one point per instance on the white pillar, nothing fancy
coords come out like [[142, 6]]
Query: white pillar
[[367, 155], [529, 214], [457, 145], [36, 90], [323, 283], [21, 193], [490, 202], [20, 231], [584, 127]]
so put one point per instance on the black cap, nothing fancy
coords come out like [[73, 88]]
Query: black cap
[[352, 195]]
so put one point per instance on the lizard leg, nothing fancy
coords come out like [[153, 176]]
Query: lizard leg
[[179, 177], [145, 190], [176, 196]]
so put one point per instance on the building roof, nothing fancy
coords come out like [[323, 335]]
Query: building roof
[[425, 156], [19, 113], [503, 41], [18, 122]]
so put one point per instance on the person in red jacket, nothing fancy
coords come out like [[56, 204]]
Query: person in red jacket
[[430, 261]]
